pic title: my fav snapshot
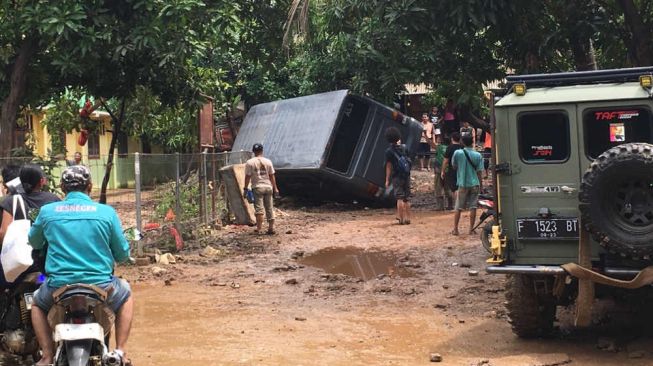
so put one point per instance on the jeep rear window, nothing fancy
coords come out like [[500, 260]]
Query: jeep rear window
[[608, 127], [543, 137]]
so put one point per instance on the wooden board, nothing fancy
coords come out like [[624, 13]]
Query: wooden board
[[233, 177]]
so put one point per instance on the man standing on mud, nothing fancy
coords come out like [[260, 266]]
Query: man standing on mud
[[469, 168], [448, 173], [397, 173], [260, 172]]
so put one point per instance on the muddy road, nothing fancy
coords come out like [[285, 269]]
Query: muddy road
[[346, 285]]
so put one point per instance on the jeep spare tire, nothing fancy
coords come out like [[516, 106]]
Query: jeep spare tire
[[616, 200]]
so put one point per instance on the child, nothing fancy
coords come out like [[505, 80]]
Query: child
[[397, 172], [468, 130]]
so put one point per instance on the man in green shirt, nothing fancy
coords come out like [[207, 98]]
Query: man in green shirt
[[469, 168]]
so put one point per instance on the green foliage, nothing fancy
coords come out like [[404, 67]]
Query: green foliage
[[165, 197], [161, 57], [62, 114]]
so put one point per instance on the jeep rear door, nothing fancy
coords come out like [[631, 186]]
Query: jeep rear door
[[544, 182]]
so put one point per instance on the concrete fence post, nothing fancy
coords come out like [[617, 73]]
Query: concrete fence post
[[137, 178], [203, 187]]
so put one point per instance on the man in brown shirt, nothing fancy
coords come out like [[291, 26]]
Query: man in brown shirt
[[260, 172]]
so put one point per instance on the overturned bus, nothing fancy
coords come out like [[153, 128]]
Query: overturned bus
[[329, 145]]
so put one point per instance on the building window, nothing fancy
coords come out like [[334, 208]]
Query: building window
[[543, 137], [93, 145], [606, 128]]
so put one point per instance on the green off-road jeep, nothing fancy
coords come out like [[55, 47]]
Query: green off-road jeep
[[573, 179]]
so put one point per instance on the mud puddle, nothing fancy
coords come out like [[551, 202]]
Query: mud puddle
[[357, 262]]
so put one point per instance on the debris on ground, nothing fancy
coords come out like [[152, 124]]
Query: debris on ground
[[165, 259], [143, 261], [436, 357], [210, 252], [158, 271], [636, 354]]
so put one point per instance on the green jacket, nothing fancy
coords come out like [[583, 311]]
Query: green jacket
[[84, 240]]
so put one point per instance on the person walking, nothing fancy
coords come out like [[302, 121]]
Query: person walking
[[448, 173], [397, 173], [469, 167], [441, 198], [260, 172]]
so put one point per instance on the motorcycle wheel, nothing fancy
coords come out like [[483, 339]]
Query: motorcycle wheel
[[486, 236]]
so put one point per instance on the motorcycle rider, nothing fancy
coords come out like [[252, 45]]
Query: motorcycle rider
[[32, 180], [9, 173], [85, 240]]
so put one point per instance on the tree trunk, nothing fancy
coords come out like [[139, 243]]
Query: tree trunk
[[639, 32], [583, 54], [17, 89], [117, 124]]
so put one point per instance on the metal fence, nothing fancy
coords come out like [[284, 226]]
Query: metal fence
[[156, 192]]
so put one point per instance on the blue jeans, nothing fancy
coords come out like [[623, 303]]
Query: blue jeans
[[121, 292]]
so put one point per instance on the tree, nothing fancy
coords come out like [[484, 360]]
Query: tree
[[375, 47]]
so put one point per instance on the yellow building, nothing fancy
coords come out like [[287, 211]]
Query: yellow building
[[94, 152]]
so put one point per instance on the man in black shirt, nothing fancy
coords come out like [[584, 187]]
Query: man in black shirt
[[448, 174], [397, 173], [32, 180]]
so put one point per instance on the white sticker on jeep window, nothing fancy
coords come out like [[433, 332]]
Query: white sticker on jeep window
[[540, 189], [617, 132]]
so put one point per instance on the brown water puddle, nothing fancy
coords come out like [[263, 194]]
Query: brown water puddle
[[356, 262]]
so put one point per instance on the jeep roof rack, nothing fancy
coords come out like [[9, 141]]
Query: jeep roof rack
[[578, 77]]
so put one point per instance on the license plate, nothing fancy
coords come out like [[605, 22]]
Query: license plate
[[547, 229], [29, 300]]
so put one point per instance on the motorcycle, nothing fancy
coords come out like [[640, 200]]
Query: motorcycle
[[16, 332], [486, 203], [82, 327]]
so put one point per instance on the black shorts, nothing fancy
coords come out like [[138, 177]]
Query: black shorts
[[423, 149], [401, 188]]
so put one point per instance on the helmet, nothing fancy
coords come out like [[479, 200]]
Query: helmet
[[76, 177]]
